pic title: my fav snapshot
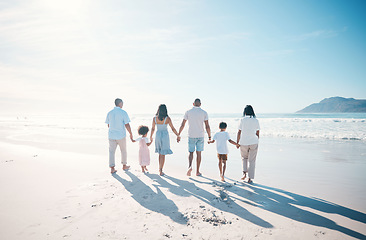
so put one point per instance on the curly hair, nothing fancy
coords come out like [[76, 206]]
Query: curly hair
[[142, 130]]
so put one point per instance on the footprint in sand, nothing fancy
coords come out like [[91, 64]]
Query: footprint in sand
[[96, 205], [319, 233]]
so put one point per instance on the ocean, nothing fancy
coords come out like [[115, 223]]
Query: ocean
[[339, 126], [330, 149]]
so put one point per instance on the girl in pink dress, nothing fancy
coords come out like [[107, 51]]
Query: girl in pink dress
[[144, 143]]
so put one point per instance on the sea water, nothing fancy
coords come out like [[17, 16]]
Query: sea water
[[295, 150], [345, 127], [68, 132]]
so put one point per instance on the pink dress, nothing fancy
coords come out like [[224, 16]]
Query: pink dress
[[144, 153]]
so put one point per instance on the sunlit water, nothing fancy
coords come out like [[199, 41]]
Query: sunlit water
[[328, 149]]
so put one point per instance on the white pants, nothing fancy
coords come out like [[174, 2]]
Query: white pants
[[249, 154], [112, 150]]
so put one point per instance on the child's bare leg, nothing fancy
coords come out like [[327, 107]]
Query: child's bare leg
[[143, 169], [220, 167], [146, 169], [223, 170]]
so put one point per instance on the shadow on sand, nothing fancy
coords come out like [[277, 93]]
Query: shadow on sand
[[288, 205], [274, 200], [149, 199], [185, 188]]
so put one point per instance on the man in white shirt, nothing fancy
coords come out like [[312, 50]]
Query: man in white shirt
[[196, 118], [118, 121]]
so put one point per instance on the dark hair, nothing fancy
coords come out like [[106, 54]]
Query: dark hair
[[248, 111], [118, 101], [223, 125], [197, 101], [142, 130], [162, 112]]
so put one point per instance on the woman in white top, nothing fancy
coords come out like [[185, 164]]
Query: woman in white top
[[247, 138]]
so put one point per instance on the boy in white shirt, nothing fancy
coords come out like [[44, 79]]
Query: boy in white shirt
[[221, 145]]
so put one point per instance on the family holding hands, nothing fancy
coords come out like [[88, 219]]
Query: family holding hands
[[247, 138]]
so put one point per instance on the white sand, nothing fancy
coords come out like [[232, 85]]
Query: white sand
[[58, 186]]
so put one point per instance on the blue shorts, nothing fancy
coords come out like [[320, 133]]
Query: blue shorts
[[195, 144]]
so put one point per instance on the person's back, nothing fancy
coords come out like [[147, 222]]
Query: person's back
[[197, 121], [118, 121], [249, 127], [161, 126], [196, 118], [221, 139], [247, 137], [117, 118]]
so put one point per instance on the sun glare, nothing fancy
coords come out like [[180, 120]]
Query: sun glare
[[65, 6]]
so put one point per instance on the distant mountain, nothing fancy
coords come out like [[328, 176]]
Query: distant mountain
[[336, 105]]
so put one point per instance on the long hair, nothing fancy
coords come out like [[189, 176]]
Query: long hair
[[162, 112], [248, 111]]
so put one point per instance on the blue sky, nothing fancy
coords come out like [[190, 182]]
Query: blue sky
[[279, 56]]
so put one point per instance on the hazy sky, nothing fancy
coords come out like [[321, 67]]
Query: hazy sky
[[79, 55]]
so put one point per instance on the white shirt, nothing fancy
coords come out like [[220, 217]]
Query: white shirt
[[117, 118], [147, 140], [221, 139], [249, 127], [196, 118]]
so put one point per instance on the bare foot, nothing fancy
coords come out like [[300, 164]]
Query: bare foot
[[222, 178], [146, 169], [113, 170], [250, 180], [189, 171], [198, 174], [161, 173], [125, 167], [245, 175]]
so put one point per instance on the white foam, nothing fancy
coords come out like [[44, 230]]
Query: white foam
[[277, 127]]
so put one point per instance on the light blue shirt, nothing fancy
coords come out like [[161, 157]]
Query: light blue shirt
[[117, 118]]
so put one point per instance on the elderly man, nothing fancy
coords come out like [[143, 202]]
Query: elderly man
[[118, 122], [196, 118]]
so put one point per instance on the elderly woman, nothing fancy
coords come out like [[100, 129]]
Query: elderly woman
[[247, 138]]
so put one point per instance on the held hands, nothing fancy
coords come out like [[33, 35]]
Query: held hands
[[238, 145], [178, 139], [151, 139], [131, 137]]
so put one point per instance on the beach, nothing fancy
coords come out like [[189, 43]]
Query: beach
[[55, 183]]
